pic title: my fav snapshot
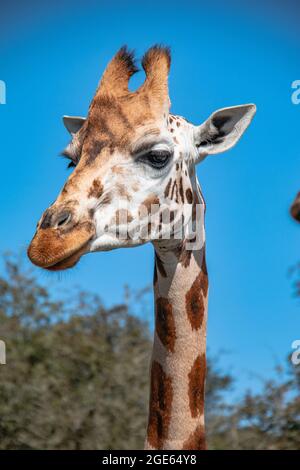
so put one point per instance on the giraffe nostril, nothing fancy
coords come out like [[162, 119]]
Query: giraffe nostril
[[46, 220], [52, 219], [63, 218]]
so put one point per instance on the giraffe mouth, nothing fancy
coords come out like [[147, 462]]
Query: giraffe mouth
[[69, 261], [56, 251]]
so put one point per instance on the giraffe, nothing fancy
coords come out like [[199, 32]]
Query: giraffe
[[133, 182], [295, 208]]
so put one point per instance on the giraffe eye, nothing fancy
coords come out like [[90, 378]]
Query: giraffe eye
[[157, 159]]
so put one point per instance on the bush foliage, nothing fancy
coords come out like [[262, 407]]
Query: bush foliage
[[77, 378]]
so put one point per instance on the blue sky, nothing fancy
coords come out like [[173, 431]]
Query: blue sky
[[52, 56]]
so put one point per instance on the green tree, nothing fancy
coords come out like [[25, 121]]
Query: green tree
[[77, 377], [76, 374], [266, 420]]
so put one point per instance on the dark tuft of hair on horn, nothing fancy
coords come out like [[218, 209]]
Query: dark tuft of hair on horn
[[154, 54], [128, 58]]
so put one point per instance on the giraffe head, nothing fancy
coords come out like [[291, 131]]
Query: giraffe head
[[134, 165]]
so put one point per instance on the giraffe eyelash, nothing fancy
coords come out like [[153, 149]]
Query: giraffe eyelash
[[72, 162], [72, 153]]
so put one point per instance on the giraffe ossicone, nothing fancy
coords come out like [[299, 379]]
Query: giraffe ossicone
[[134, 181]]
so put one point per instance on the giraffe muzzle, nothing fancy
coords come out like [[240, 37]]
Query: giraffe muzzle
[[60, 242]]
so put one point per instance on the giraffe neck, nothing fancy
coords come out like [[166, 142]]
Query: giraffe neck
[[176, 409]]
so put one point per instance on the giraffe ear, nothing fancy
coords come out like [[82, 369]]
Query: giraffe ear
[[222, 129], [73, 123]]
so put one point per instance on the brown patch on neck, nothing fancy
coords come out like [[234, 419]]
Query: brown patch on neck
[[167, 188], [174, 192], [181, 189], [196, 440], [189, 195], [96, 189], [204, 270], [165, 324], [194, 300], [196, 386], [161, 396]]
